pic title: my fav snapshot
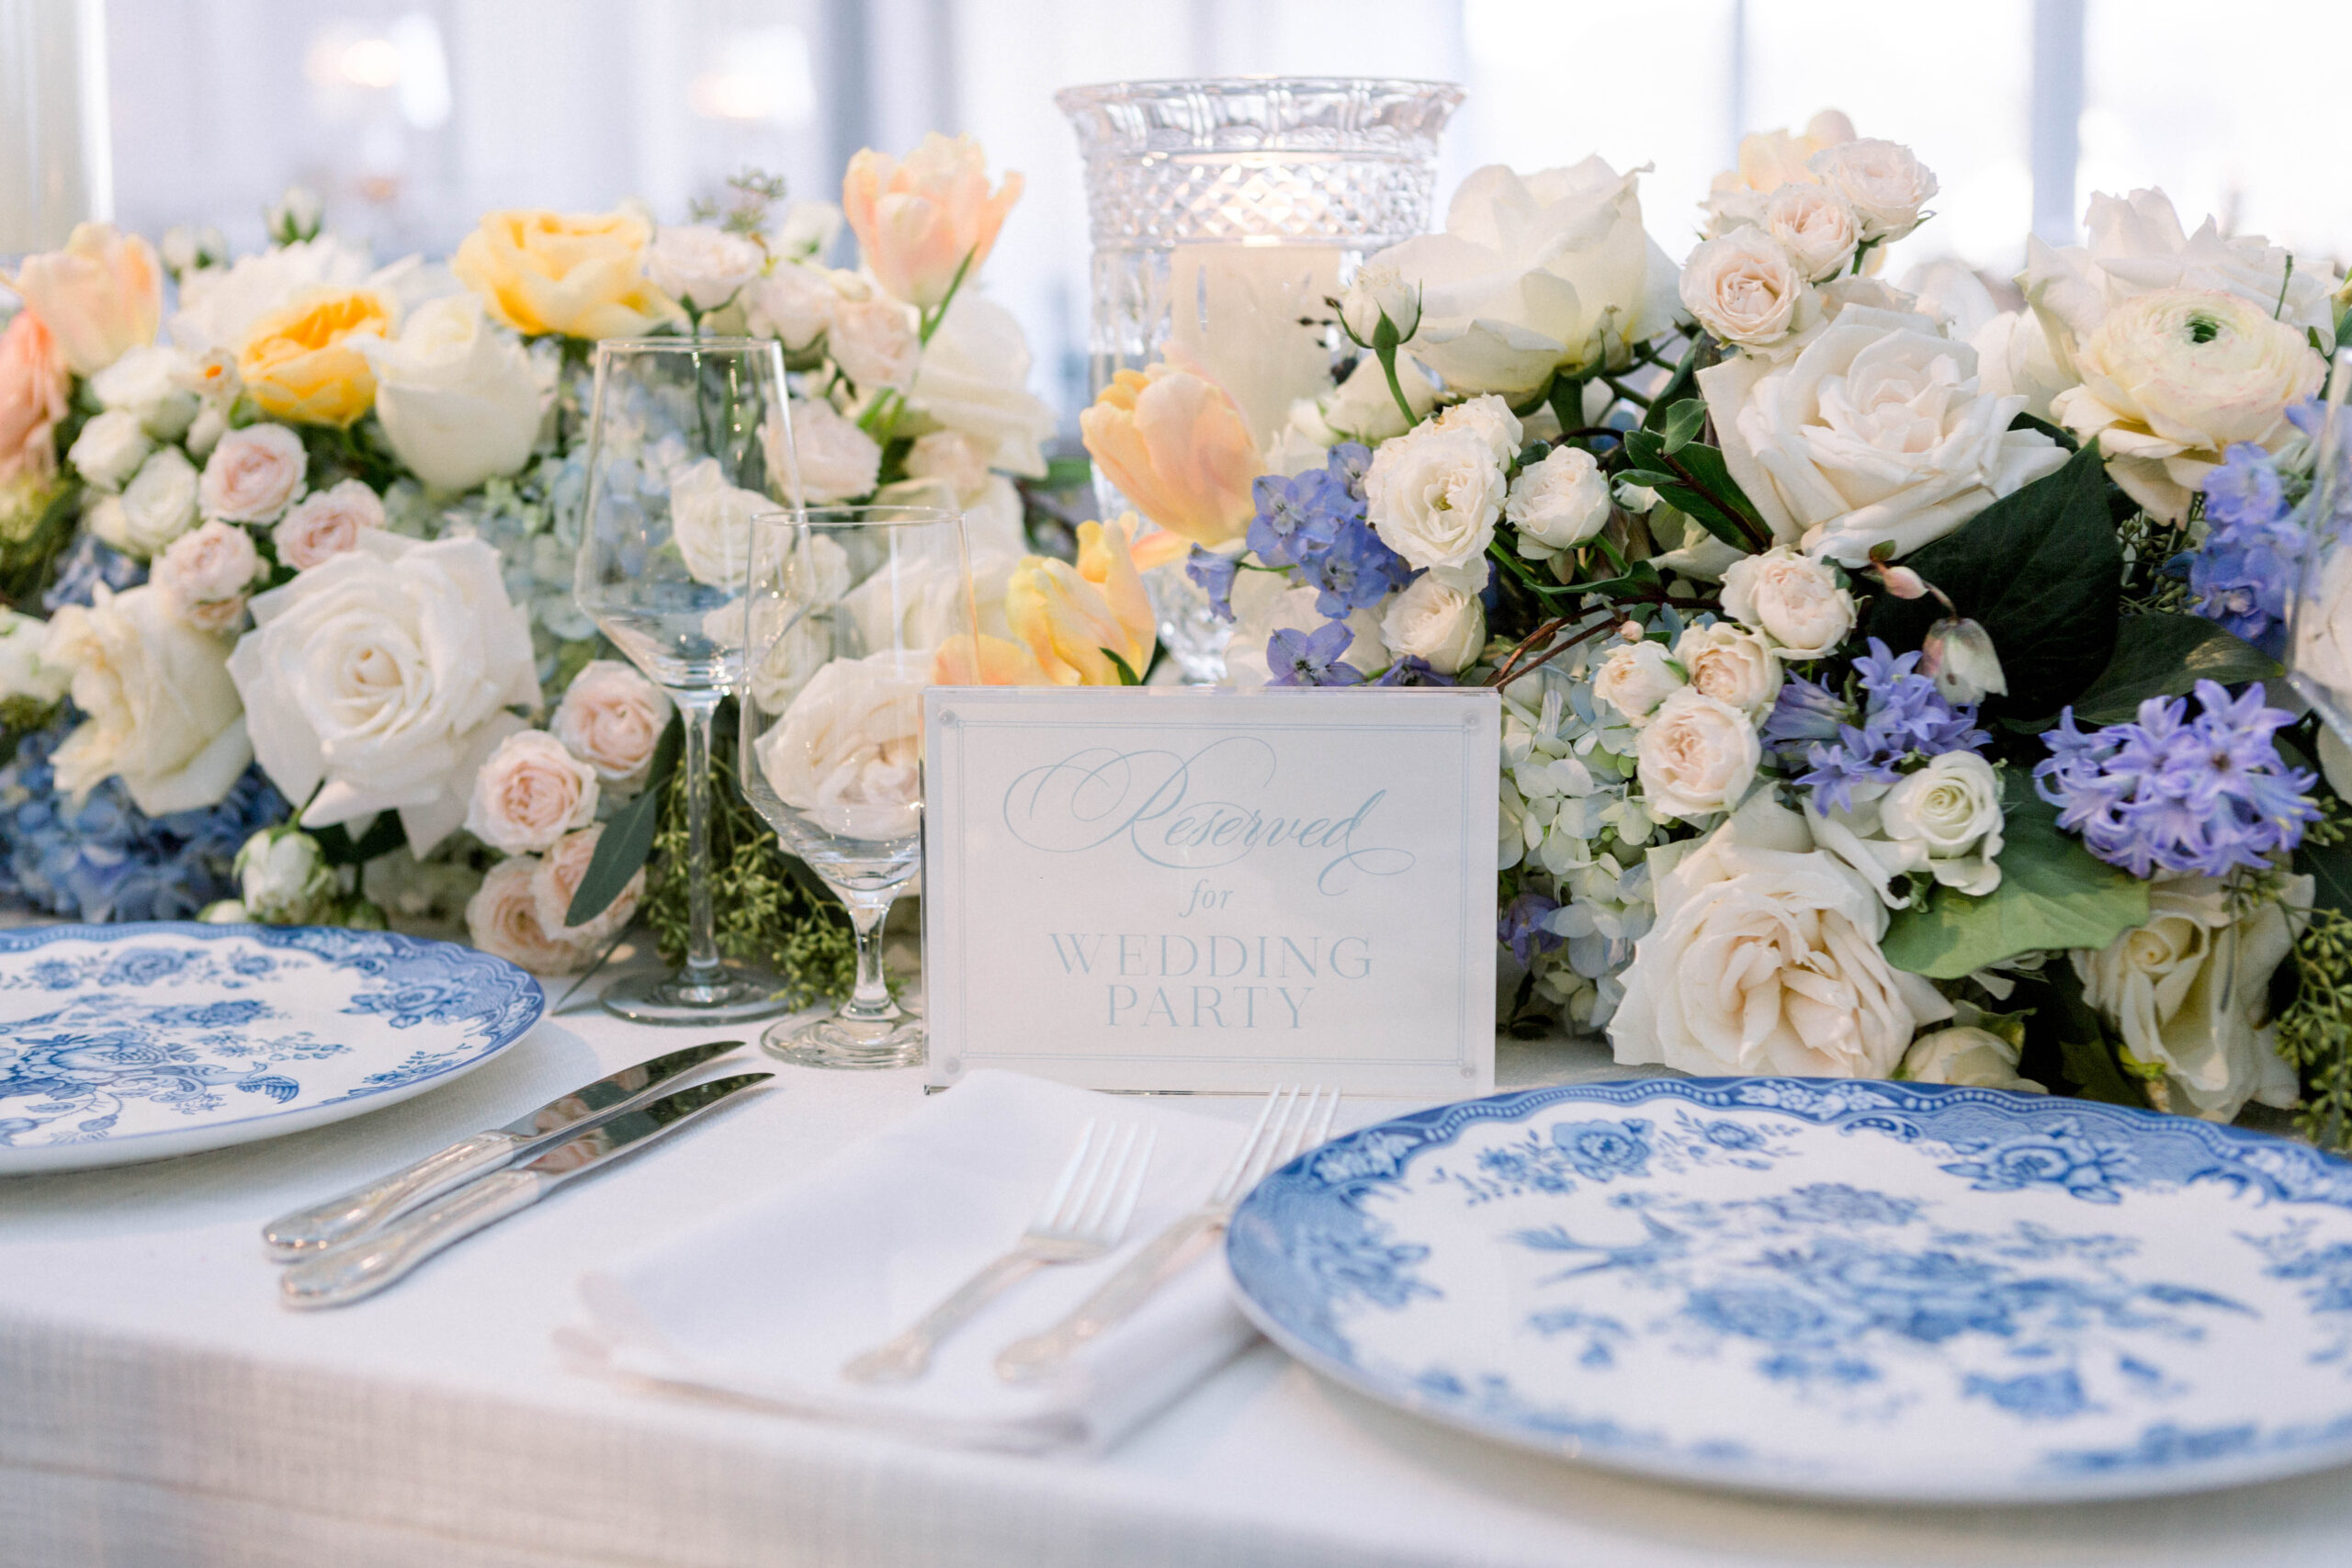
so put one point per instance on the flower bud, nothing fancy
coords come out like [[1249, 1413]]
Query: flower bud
[[1378, 293], [294, 216], [284, 878], [1903, 582], [1958, 656]]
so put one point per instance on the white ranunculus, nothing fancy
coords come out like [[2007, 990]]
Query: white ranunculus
[[1432, 622], [457, 397], [612, 717], [1765, 960], [1533, 273], [1975, 1059], [2172, 378], [874, 344], [1379, 290], [2014, 358], [1748, 289], [205, 575], [1433, 496], [1876, 432], [2192, 997], [847, 752], [1888, 187], [834, 459], [1558, 503], [1362, 408], [149, 383], [327, 522], [700, 265], [1732, 665], [158, 506], [1265, 603], [711, 521], [219, 305], [974, 379], [23, 672], [1815, 225], [163, 713], [1696, 756], [1791, 598], [530, 792], [794, 304], [108, 451], [253, 474], [1636, 678], [381, 678]]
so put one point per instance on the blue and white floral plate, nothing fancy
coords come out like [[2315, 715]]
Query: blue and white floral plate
[[135, 1042], [1875, 1291]]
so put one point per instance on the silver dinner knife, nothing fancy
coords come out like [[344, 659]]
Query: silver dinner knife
[[359, 1269], [321, 1226]]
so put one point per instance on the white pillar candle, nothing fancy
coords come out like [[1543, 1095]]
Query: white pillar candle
[[1250, 313], [56, 158]]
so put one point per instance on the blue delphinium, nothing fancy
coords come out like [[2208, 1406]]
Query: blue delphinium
[[1311, 659], [2244, 574], [1903, 715], [1298, 516], [1413, 670], [83, 567], [1214, 571], [2174, 793], [1316, 523]]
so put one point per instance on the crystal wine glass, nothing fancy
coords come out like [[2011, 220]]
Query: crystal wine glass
[[689, 438], [849, 609]]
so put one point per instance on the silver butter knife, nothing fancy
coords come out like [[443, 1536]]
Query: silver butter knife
[[359, 1269], [337, 1220]]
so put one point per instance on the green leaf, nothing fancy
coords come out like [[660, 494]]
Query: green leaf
[[2166, 655], [628, 833], [1127, 672], [1682, 422], [384, 835], [2040, 570], [2330, 868], [2053, 893], [2082, 1048], [2056, 433], [1652, 479]]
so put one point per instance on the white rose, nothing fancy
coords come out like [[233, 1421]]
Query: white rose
[[23, 672], [163, 713], [529, 792], [458, 400], [1491, 419], [148, 384], [1977, 1058], [974, 379], [211, 425], [555, 881], [1362, 408], [157, 507], [381, 678], [1876, 432], [875, 344], [1950, 811], [1767, 161], [1732, 665], [1746, 288], [217, 305], [1697, 756], [1559, 502], [1791, 599], [805, 228], [612, 717], [2172, 378], [2014, 359], [702, 265], [1379, 290], [949, 459], [847, 752], [253, 474], [2324, 628], [205, 575], [2193, 999], [1534, 273], [327, 522], [834, 459], [283, 878], [794, 304], [1432, 622], [110, 448], [1265, 603], [1886, 186], [1636, 678], [502, 919], [1433, 496], [1765, 960], [711, 521], [1816, 226]]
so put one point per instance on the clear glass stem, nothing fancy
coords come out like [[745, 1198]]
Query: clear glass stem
[[870, 1001], [702, 942]]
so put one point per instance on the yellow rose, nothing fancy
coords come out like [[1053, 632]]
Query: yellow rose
[[1176, 445], [302, 361], [579, 273]]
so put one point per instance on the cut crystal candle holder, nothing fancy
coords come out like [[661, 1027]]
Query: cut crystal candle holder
[[1223, 214]]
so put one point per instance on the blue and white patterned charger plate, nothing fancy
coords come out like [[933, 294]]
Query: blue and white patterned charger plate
[[136, 1042], [1876, 1291]]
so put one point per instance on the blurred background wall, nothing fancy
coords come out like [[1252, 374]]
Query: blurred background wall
[[412, 117]]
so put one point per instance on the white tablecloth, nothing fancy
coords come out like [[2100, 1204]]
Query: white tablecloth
[[159, 1410]]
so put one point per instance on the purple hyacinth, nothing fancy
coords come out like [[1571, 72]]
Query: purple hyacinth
[[2171, 793], [1523, 928], [1903, 716], [1312, 659], [1804, 712]]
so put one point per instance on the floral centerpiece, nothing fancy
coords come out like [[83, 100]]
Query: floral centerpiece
[[1890, 679]]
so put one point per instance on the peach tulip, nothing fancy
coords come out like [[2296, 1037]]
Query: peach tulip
[[1074, 617], [100, 297], [923, 220], [35, 387], [1176, 445]]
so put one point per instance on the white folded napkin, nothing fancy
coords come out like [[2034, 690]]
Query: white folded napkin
[[767, 1300]]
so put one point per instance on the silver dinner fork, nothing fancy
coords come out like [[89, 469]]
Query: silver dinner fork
[[1083, 1217], [1287, 1126]]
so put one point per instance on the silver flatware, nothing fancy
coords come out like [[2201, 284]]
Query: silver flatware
[[1083, 1218], [338, 1218], [359, 1269], [1286, 1127]]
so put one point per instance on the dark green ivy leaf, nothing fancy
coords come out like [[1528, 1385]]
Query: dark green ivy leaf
[[2053, 893], [2166, 655]]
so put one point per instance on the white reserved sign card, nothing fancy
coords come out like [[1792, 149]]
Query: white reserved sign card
[[1181, 888]]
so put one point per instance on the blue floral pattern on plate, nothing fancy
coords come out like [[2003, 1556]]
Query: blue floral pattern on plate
[[133, 1042], [1864, 1289]]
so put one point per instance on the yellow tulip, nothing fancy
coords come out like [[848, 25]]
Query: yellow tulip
[[1176, 445], [1073, 618], [579, 273], [100, 297], [302, 362]]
